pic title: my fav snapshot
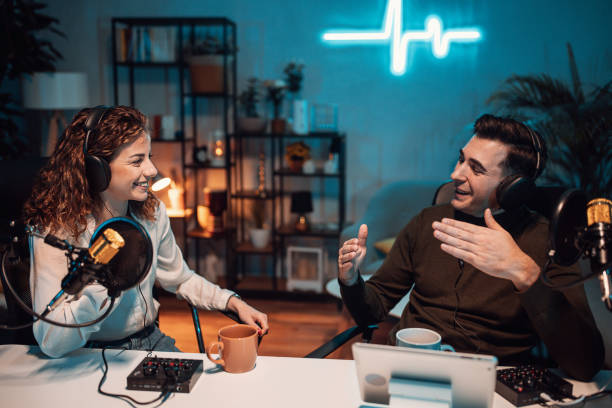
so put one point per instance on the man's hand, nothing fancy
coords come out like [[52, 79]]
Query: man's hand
[[249, 315], [351, 255], [490, 249]]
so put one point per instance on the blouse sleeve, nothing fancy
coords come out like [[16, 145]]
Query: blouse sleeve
[[48, 265], [174, 274]]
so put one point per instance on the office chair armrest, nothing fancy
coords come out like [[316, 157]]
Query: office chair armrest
[[232, 315], [198, 330], [341, 339]]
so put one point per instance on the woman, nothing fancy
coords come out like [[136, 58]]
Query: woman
[[71, 199]]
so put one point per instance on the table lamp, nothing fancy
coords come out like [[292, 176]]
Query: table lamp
[[162, 182], [301, 203], [55, 91]]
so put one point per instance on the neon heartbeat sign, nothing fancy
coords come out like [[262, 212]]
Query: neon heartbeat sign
[[392, 31]]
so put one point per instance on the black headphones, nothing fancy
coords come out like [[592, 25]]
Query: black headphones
[[97, 170], [515, 190]]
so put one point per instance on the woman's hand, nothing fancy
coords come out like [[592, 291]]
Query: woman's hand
[[249, 315]]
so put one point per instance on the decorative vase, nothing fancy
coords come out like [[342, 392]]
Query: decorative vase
[[278, 126], [259, 237], [252, 125], [206, 73], [309, 167], [202, 216], [300, 117]]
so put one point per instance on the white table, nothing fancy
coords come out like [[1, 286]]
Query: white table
[[29, 379]]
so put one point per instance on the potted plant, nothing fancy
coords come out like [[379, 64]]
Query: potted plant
[[293, 77], [297, 154], [575, 124], [298, 107], [276, 93], [260, 236], [251, 122], [205, 59]]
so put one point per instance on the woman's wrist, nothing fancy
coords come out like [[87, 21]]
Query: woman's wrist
[[232, 302]]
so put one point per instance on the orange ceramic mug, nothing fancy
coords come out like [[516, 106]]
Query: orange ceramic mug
[[237, 348]]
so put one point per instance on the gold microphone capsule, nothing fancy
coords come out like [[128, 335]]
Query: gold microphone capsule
[[599, 210], [106, 246]]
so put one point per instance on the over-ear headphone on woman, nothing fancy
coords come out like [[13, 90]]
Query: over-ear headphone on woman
[[514, 190], [97, 170]]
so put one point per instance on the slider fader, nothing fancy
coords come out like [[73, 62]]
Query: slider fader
[[165, 374]]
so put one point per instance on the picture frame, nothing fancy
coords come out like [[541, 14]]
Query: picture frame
[[305, 268], [323, 117]]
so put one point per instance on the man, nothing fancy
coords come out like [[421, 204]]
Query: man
[[474, 273]]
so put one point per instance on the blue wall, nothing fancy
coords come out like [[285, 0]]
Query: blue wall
[[406, 127]]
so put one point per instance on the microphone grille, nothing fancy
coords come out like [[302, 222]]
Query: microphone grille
[[599, 210], [106, 246]]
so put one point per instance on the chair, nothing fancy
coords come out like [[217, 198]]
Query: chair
[[16, 183]]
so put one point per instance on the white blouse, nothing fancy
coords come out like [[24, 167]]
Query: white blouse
[[48, 265]]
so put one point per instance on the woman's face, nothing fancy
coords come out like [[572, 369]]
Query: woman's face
[[131, 171]]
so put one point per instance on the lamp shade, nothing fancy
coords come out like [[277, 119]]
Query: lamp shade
[[160, 182], [301, 202], [55, 90]]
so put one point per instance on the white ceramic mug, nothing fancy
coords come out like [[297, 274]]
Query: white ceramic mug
[[417, 337]]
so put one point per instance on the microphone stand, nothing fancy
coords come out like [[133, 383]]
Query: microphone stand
[[81, 271], [593, 242]]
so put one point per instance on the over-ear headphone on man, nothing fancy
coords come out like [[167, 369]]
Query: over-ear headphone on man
[[97, 170], [514, 190]]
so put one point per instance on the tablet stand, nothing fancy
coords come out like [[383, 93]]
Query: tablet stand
[[408, 393]]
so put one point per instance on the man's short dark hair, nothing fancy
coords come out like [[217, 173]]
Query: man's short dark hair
[[522, 156]]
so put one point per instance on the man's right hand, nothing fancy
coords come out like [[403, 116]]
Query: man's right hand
[[351, 255]]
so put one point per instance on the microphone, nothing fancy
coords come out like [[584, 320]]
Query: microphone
[[119, 256], [575, 232], [599, 213], [106, 246], [85, 263]]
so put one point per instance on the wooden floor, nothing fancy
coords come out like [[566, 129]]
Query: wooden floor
[[296, 327]]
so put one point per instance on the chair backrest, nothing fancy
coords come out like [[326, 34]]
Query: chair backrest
[[543, 200], [444, 193], [17, 271], [16, 184]]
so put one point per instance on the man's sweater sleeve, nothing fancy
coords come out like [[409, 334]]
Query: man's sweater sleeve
[[370, 302]]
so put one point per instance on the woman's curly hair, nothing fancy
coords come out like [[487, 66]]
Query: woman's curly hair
[[61, 198]]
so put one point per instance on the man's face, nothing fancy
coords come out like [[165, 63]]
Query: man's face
[[477, 175]]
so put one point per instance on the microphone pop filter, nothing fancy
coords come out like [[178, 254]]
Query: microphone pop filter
[[567, 222], [130, 265]]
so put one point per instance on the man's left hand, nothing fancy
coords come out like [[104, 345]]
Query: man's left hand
[[490, 249]]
